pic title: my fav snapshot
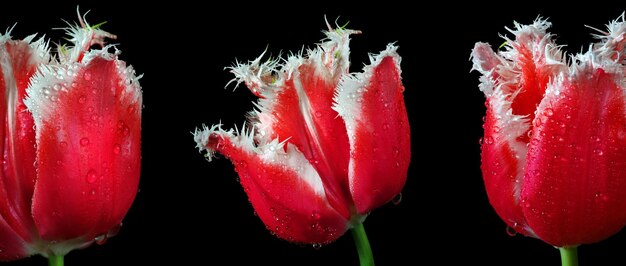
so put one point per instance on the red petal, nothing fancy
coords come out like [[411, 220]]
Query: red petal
[[12, 245], [283, 187], [19, 61], [528, 53], [296, 107], [372, 106], [503, 159], [88, 136], [522, 71], [576, 167], [504, 144]]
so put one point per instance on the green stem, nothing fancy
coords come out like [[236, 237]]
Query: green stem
[[362, 245], [55, 260], [569, 256]]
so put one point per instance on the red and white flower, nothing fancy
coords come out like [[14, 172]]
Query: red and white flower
[[554, 150], [324, 146], [70, 144]]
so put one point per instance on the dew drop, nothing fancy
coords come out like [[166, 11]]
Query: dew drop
[[82, 99], [101, 239], [318, 114], [385, 126], [92, 176], [117, 149], [397, 199], [84, 141], [63, 144], [87, 75], [488, 140], [549, 112], [510, 231], [396, 152], [317, 246]]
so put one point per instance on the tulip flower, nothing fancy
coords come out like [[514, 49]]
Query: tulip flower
[[324, 146], [70, 143], [554, 149]]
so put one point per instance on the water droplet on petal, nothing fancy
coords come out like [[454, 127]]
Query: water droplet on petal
[[549, 112], [318, 114], [489, 140], [396, 152], [87, 75], [82, 99], [101, 239], [510, 231], [117, 149], [317, 246], [397, 199], [385, 126], [92, 176], [84, 141]]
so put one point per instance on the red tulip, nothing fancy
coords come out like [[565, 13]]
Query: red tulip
[[325, 146], [554, 150], [71, 144]]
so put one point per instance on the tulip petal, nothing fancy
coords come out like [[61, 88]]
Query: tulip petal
[[514, 81], [372, 105], [576, 166], [284, 188], [535, 58], [88, 119], [503, 150], [523, 69], [19, 60], [12, 246], [296, 105]]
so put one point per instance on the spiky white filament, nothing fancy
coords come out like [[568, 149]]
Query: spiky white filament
[[271, 153]]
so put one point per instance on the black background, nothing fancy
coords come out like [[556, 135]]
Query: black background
[[189, 211]]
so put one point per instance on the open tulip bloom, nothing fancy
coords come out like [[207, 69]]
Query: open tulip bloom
[[70, 143], [324, 146], [554, 149]]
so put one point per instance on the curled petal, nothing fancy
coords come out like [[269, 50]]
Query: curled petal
[[88, 119], [295, 105], [372, 107], [283, 187]]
